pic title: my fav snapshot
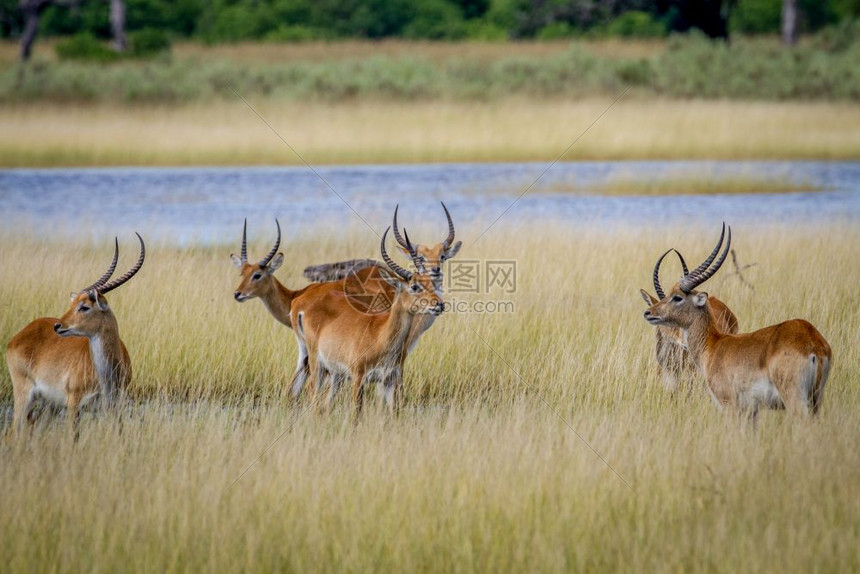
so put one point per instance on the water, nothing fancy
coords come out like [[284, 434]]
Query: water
[[187, 205]]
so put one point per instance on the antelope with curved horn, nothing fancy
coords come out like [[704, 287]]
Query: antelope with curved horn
[[71, 360], [781, 366], [258, 281], [673, 360], [433, 257], [365, 274], [346, 342]]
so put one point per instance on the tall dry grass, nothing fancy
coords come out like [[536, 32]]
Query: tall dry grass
[[478, 473], [228, 133]]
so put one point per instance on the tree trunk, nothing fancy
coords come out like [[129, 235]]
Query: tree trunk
[[789, 22], [32, 11], [117, 25]]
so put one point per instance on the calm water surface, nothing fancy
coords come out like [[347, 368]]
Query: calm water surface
[[186, 205]]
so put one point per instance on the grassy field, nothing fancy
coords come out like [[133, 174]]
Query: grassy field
[[229, 133], [478, 473]]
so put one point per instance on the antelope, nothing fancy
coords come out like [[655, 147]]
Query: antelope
[[433, 257], [258, 281], [346, 342], [364, 274], [673, 359], [71, 360], [365, 279], [781, 366]]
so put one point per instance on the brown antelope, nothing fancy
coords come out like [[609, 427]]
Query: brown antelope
[[432, 257], [258, 281], [781, 366], [71, 360], [364, 274], [346, 342], [673, 360]]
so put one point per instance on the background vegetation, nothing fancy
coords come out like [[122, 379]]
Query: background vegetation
[[824, 67], [218, 21], [478, 474]]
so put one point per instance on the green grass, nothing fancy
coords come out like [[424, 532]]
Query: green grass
[[688, 185], [478, 473]]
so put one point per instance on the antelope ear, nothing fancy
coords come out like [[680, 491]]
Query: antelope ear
[[275, 263], [452, 251], [405, 251], [649, 300], [236, 261], [101, 303], [700, 299]]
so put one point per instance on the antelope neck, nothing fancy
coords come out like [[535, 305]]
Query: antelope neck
[[278, 301]]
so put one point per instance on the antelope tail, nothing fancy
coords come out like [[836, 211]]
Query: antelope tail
[[336, 271], [820, 370]]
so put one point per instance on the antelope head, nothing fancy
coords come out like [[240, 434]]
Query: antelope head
[[89, 311], [675, 335], [431, 257], [416, 287], [257, 278], [683, 305]]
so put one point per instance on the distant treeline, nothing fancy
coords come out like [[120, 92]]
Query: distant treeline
[[219, 21]]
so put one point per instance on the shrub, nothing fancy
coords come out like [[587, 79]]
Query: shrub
[[635, 24], [147, 43], [482, 30], [84, 46], [635, 72], [839, 38], [556, 31], [756, 16], [286, 33], [236, 23], [436, 20]]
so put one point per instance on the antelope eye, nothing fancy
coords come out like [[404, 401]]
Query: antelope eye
[[442, 257], [677, 299], [257, 276], [83, 308], [415, 288]]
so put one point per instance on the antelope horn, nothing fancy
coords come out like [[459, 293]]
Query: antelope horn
[[713, 254], [265, 260], [697, 277], [400, 271], [447, 243], [683, 263], [109, 271], [244, 252], [396, 231], [129, 274], [657, 288], [414, 254]]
